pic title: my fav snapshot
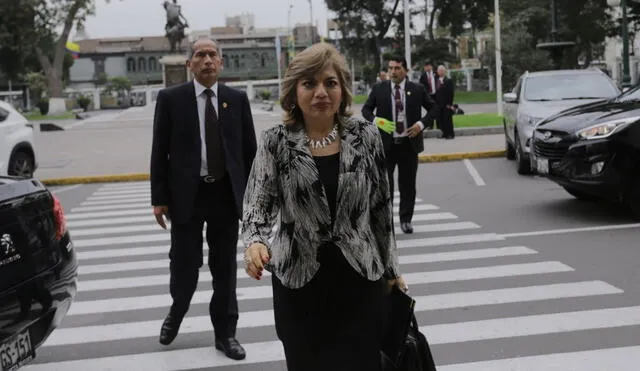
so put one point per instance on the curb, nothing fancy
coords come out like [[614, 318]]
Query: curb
[[479, 130], [96, 179], [460, 156], [443, 157]]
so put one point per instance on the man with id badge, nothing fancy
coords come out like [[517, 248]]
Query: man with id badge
[[397, 104]]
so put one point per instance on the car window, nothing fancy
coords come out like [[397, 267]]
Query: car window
[[570, 86], [3, 114]]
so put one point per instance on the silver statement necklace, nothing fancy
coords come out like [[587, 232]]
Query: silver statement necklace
[[323, 142]]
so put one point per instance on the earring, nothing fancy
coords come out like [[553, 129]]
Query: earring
[[293, 107]]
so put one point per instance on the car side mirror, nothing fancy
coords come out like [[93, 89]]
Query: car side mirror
[[510, 97]]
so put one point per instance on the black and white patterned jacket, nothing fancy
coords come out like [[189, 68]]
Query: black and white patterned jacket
[[284, 180]]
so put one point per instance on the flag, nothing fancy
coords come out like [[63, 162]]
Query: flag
[[73, 48]]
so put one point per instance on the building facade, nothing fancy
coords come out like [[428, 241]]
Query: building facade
[[249, 54]]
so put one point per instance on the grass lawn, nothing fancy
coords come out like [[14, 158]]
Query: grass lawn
[[461, 97], [36, 116], [476, 120]]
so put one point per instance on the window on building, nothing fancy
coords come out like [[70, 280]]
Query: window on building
[[263, 60], [131, 65], [142, 64], [153, 64]]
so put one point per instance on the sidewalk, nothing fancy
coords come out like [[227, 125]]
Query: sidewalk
[[118, 148]]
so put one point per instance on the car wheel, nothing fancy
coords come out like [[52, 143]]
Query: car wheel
[[582, 196], [21, 164], [523, 166], [509, 151], [632, 196]]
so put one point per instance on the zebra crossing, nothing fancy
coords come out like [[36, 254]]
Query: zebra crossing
[[472, 289]]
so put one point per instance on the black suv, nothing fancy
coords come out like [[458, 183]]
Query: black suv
[[593, 150], [38, 268]]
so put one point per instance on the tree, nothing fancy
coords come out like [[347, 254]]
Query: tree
[[362, 20], [45, 26]]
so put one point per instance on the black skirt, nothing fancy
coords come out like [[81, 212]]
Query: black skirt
[[332, 323]]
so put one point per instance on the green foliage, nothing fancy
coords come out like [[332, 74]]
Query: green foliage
[[525, 24], [84, 102], [120, 85], [454, 14]]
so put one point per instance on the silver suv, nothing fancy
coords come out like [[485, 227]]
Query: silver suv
[[544, 93]]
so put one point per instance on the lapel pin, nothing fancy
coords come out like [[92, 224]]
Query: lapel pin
[[224, 104], [408, 93]]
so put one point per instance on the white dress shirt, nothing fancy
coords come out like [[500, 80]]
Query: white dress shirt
[[403, 97], [201, 98]]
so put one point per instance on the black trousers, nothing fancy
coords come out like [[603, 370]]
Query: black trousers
[[332, 323], [214, 205], [445, 122], [405, 158]]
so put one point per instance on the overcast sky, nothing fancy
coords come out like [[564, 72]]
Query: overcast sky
[[147, 17]]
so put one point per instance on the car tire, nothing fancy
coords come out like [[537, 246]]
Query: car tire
[[21, 164], [523, 165], [582, 196], [632, 196], [509, 151]]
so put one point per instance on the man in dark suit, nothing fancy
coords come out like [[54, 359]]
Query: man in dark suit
[[428, 79], [401, 101], [203, 147], [444, 100]]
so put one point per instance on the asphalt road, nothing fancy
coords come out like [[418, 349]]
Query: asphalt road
[[119, 142], [509, 273]]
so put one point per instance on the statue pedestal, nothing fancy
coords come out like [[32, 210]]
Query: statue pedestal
[[174, 70]]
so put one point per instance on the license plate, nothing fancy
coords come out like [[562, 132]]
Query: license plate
[[542, 165], [16, 351]]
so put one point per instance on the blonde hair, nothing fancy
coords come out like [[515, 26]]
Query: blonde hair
[[307, 64]]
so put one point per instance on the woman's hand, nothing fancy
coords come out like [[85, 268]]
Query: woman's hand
[[255, 257], [399, 283]]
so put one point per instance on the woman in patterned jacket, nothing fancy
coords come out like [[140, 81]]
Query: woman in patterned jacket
[[333, 256]]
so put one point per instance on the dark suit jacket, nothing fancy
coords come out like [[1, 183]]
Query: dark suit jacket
[[425, 81], [416, 97], [444, 94], [285, 181], [176, 148]]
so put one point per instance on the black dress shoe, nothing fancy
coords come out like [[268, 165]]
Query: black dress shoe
[[231, 348], [406, 227], [169, 329]]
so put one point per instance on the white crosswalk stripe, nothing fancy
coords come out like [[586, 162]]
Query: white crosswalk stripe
[[451, 265]]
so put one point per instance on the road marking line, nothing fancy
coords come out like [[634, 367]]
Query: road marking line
[[451, 275], [423, 303], [572, 230], [451, 333], [473, 172], [64, 189]]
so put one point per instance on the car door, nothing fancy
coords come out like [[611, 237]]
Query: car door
[[511, 111]]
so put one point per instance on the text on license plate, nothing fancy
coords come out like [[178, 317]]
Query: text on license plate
[[542, 165], [16, 351]]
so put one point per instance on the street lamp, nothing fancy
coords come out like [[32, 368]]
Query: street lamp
[[626, 77], [407, 33]]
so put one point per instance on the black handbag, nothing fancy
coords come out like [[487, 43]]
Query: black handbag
[[404, 348]]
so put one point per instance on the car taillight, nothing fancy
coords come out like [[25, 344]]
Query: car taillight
[[58, 215]]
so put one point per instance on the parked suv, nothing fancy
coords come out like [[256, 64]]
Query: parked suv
[[17, 154], [593, 151], [540, 94]]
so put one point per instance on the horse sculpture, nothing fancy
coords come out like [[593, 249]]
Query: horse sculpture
[[174, 28]]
